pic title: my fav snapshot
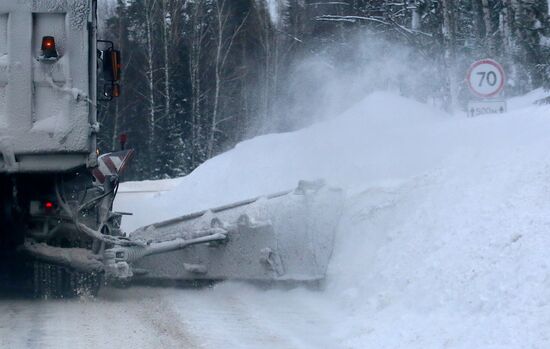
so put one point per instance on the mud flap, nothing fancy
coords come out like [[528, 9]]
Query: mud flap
[[286, 236]]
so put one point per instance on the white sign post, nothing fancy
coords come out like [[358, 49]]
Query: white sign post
[[486, 80]]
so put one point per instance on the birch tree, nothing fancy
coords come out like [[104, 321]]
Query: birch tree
[[150, 6], [224, 40], [166, 24], [198, 36]]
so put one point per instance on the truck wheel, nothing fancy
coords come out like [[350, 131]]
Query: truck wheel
[[53, 281]]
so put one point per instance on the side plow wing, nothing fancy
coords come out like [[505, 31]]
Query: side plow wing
[[285, 236]]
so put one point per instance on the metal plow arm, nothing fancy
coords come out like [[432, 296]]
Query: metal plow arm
[[117, 259], [285, 236]]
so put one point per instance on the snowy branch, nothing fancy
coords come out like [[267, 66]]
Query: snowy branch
[[328, 3], [351, 19]]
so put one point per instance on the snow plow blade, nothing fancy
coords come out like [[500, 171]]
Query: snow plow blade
[[286, 236]]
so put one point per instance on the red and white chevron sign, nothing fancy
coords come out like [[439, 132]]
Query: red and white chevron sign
[[112, 164]]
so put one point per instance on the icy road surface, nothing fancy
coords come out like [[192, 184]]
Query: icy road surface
[[134, 318], [227, 316], [443, 242]]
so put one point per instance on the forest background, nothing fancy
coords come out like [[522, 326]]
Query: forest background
[[199, 76]]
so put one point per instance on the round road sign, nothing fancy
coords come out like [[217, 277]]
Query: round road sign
[[486, 78]]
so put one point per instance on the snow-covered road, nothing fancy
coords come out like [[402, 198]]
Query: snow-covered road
[[227, 316], [132, 318]]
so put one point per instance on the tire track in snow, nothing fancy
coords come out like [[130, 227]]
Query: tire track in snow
[[132, 318], [237, 315]]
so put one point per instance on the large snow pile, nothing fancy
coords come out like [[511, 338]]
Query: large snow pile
[[381, 139], [445, 236]]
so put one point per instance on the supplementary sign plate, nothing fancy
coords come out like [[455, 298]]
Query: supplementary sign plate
[[476, 108]]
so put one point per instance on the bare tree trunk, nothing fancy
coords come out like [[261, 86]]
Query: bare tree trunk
[[476, 10], [224, 44], [166, 38], [449, 36], [506, 30], [488, 27], [197, 37], [221, 20], [506, 20], [267, 73], [415, 18], [150, 71], [522, 78], [267, 44]]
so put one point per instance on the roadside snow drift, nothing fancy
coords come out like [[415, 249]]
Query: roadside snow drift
[[443, 243]]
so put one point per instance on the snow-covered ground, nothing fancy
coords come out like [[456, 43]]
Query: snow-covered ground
[[443, 242]]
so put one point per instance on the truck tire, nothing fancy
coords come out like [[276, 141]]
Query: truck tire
[[53, 281]]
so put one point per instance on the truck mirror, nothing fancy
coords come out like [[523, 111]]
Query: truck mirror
[[111, 69], [117, 64], [111, 65]]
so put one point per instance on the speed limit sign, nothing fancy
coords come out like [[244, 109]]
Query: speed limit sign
[[486, 78]]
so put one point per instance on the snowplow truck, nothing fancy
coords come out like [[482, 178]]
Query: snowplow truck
[[59, 235]]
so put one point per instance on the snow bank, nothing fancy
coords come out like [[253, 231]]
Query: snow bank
[[444, 238], [375, 141]]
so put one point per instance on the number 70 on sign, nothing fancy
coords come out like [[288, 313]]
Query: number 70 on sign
[[486, 78]]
